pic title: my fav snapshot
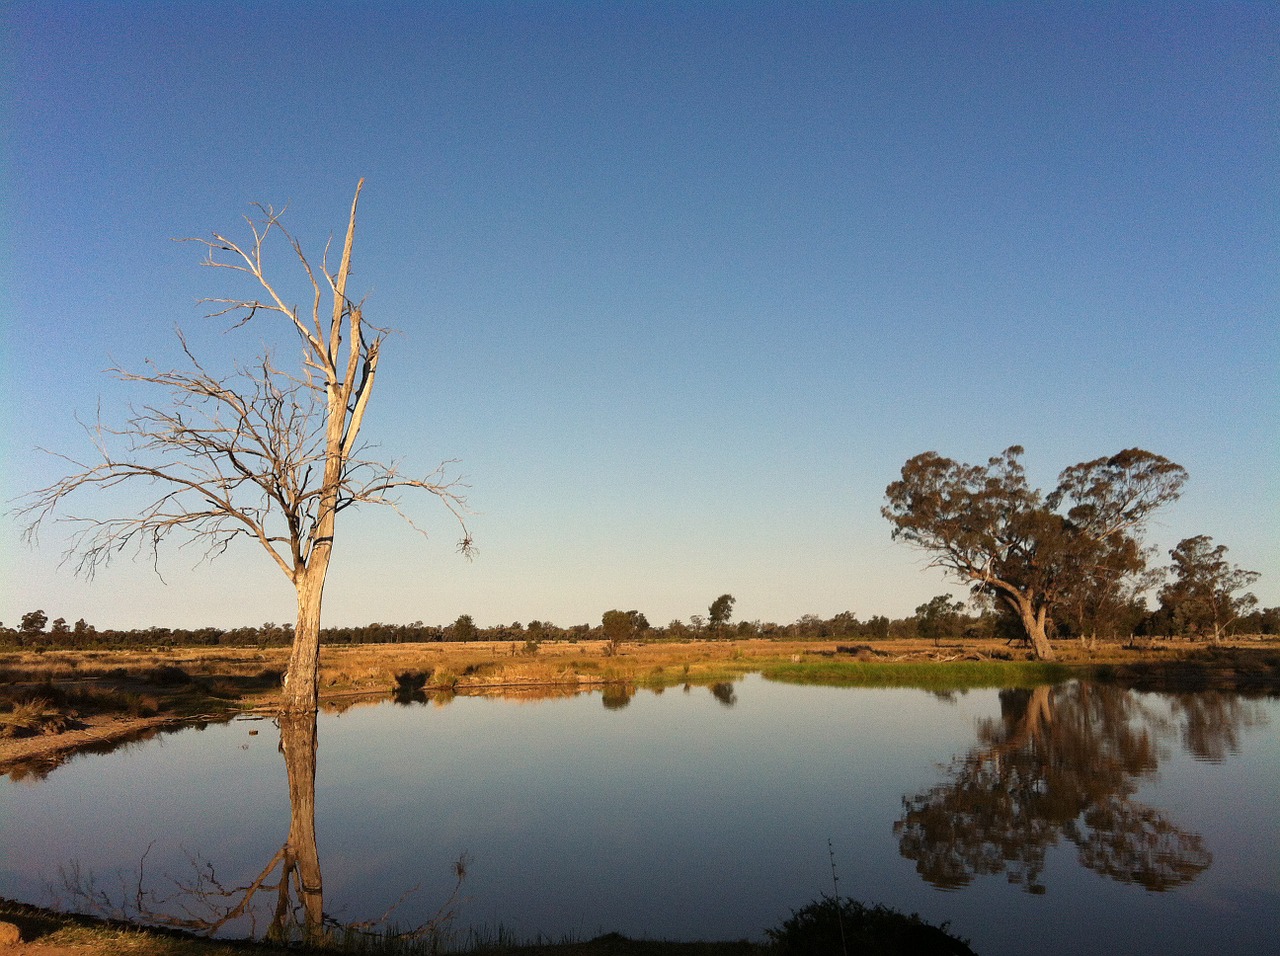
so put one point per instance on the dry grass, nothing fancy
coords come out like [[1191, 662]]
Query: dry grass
[[252, 675]]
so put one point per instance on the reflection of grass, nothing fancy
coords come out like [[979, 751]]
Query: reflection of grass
[[927, 675]]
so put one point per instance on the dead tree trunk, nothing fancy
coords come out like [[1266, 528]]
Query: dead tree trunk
[[302, 680], [298, 741]]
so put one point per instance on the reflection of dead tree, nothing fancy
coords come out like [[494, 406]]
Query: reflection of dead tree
[[206, 904], [203, 903], [266, 454], [434, 931]]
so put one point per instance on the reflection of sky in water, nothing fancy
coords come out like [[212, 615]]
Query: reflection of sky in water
[[674, 816]]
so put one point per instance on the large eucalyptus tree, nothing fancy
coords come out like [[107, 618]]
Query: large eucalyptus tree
[[990, 529]]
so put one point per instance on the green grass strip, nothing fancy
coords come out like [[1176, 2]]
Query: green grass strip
[[925, 675]]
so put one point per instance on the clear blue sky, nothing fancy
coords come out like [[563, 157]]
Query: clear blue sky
[[682, 285]]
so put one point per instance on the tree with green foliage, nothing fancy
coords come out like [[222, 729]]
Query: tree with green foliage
[[1204, 598], [938, 617], [987, 527], [464, 629], [33, 623], [720, 612], [620, 627]]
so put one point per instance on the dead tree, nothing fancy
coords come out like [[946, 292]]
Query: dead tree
[[265, 454]]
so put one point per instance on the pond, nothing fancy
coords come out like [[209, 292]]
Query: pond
[[1065, 819]]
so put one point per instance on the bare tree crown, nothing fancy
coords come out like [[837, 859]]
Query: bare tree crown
[[263, 453]]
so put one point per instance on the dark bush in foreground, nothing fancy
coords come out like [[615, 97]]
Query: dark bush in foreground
[[832, 926]]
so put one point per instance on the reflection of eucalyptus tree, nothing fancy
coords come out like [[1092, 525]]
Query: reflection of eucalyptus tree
[[724, 692], [1061, 762], [616, 696], [1211, 721]]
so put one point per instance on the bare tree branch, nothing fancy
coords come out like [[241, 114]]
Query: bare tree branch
[[262, 453]]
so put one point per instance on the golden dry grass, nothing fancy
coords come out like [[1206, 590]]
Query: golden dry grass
[[504, 666]]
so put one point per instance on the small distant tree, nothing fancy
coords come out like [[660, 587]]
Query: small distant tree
[[678, 630], [939, 617], [464, 629], [33, 623], [844, 625], [619, 627], [720, 612], [265, 454], [1204, 598]]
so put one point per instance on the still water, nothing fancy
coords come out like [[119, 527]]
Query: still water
[[1066, 819]]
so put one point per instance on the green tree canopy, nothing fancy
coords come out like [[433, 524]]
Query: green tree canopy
[[720, 611], [1203, 598], [938, 617], [464, 629], [991, 530]]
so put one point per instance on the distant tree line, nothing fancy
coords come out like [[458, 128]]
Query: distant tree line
[[1183, 612]]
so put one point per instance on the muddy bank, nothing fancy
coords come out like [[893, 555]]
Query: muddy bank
[[38, 755]]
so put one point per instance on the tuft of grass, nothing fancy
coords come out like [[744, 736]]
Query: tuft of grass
[[444, 680], [31, 717], [141, 705]]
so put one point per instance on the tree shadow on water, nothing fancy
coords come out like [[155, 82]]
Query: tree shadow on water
[[1061, 763]]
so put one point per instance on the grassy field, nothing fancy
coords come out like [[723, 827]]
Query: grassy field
[[55, 702]]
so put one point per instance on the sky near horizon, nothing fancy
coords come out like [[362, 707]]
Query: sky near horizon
[[680, 286]]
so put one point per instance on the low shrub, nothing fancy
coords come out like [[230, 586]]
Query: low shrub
[[168, 675], [222, 689], [839, 925], [35, 716], [141, 705], [408, 682]]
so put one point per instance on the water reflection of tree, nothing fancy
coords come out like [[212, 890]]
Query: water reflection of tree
[[616, 696], [1060, 762], [286, 896], [289, 887], [1211, 721], [725, 693]]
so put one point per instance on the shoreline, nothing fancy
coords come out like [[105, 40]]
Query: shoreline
[[351, 674]]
